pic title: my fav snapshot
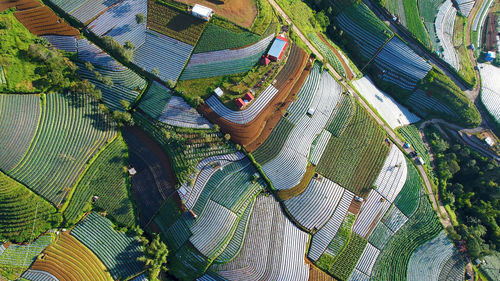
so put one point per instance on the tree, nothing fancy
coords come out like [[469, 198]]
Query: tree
[[171, 84], [89, 66], [322, 20], [140, 18], [98, 76], [227, 137], [155, 71], [129, 45], [123, 118], [108, 81], [155, 257], [125, 104]]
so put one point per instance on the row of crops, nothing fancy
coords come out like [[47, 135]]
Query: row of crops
[[117, 251], [411, 134], [106, 179], [216, 37], [179, 113], [490, 89], [56, 158], [154, 100], [427, 105], [354, 159], [185, 147], [68, 259], [20, 115], [330, 55], [61, 42], [43, 21], [24, 255], [445, 22], [273, 248], [20, 208], [173, 23], [85, 11]]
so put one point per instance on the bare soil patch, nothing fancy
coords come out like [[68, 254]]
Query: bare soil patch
[[241, 12]]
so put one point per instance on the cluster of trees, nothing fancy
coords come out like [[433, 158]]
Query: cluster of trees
[[469, 183], [124, 53]]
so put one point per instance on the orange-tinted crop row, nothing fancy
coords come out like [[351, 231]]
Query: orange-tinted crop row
[[20, 5], [43, 21]]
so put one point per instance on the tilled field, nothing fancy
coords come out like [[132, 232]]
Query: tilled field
[[43, 21]]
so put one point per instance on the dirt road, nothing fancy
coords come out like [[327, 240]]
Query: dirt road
[[445, 220]]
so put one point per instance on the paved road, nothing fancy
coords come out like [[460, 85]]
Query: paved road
[[446, 220]]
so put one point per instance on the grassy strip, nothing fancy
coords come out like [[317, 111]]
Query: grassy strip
[[415, 24]]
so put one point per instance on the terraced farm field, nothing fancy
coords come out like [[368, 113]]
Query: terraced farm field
[[422, 226], [43, 21], [242, 12], [19, 118], [22, 256], [62, 153], [355, 158], [490, 91], [106, 179], [174, 23], [411, 134], [68, 259], [216, 37], [19, 209], [117, 250]]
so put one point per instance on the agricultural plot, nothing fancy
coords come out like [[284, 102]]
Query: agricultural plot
[[242, 12], [61, 42], [186, 151], [397, 8], [494, 261], [118, 251], [91, 8], [392, 176], [372, 211], [314, 207], [445, 22], [179, 113], [273, 144], [380, 235], [216, 37], [154, 100], [341, 116], [88, 52], [62, 153], [173, 23], [367, 259], [225, 62], [154, 181], [347, 260], [24, 255], [286, 170], [414, 22], [411, 134], [422, 226], [400, 65], [391, 111], [330, 55], [68, 259], [426, 105], [120, 23], [162, 55], [428, 10], [38, 275], [43, 21], [126, 85], [248, 114], [19, 118], [106, 179], [408, 198], [336, 229], [273, 249], [318, 146], [21, 208], [367, 30], [339, 241], [490, 91], [465, 6], [354, 159], [428, 260], [19, 4]]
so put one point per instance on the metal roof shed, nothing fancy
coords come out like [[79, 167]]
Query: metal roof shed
[[277, 48], [202, 12]]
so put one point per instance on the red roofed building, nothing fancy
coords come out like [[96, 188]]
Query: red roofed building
[[248, 96], [265, 61], [277, 48], [239, 103]]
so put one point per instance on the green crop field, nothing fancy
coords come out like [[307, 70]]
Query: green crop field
[[184, 146], [174, 23], [414, 23], [19, 118], [411, 134], [329, 54], [428, 10], [71, 130], [354, 159], [108, 179], [392, 263], [274, 143], [348, 258], [21, 256], [216, 38], [407, 200], [20, 208], [341, 116], [154, 100]]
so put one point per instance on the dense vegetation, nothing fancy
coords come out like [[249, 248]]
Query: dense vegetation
[[106, 178], [20, 208], [469, 183]]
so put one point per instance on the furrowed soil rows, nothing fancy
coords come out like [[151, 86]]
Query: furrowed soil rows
[[43, 21]]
